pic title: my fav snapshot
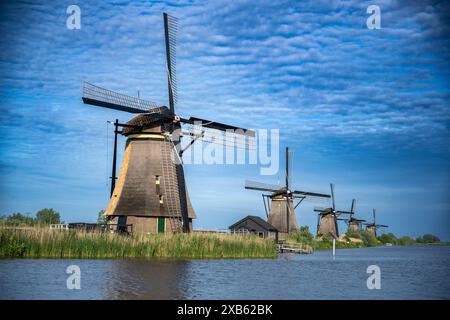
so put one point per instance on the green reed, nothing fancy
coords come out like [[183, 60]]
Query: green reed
[[46, 243]]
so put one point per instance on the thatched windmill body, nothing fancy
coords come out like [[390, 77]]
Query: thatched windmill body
[[151, 193], [373, 226], [279, 201], [327, 218]]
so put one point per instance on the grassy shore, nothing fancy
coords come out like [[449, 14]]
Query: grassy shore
[[325, 244], [45, 243], [362, 239], [434, 244]]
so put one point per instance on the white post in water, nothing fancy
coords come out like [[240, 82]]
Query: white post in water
[[334, 247]]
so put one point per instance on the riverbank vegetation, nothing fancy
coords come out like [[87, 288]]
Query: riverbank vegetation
[[360, 239], [426, 239], [304, 236], [27, 236], [36, 242]]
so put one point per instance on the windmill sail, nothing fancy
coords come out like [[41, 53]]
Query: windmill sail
[[219, 126], [311, 194], [217, 134], [352, 208], [101, 97], [253, 185], [170, 33]]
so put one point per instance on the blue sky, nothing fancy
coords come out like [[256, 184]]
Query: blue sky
[[365, 109]]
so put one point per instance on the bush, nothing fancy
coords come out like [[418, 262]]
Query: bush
[[367, 237], [322, 244], [302, 235], [356, 235], [405, 241], [388, 238], [17, 220]]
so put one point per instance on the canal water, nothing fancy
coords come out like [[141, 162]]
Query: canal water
[[418, 272]]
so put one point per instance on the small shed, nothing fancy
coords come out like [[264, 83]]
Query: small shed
[[256, 225]]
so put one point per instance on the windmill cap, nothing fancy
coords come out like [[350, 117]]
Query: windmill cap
[[145, 121]]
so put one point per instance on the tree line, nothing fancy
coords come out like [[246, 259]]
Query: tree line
[[406, 240], [44, 216], [304, 235]]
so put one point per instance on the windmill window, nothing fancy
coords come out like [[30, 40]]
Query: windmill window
[[157, 180], [161, 199]]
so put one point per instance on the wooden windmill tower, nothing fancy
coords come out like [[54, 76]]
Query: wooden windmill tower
[[354, 224], [327, 218], [279, 202], [372, 227], [151, 193]]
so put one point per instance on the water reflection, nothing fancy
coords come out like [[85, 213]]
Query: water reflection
[[140, 279]]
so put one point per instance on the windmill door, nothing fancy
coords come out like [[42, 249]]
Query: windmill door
[[122, 224], [161, 224]]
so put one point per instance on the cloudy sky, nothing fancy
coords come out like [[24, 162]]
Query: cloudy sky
[[365, 109]]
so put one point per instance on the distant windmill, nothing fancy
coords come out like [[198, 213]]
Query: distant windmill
[[354, 225], [327, 218], [372, 227], [279, 203], [151, 188]]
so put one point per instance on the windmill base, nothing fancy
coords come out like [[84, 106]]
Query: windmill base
[[142, 224]]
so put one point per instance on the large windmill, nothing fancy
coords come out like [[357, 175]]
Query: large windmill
[[354, 224], [151, 193], [327, 218], [279, 201], [373, 226]]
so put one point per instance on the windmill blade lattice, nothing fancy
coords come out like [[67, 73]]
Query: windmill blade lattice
[[219, 133], [101, 97], [171, 34], [253, 185]]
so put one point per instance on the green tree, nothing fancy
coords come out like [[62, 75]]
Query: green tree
[[101, 217], [305, 233], [47, 216], [430, 238]]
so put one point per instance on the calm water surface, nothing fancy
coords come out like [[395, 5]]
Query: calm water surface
[[406, 273]]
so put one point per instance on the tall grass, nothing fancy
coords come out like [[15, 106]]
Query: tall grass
[[45, 243]]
